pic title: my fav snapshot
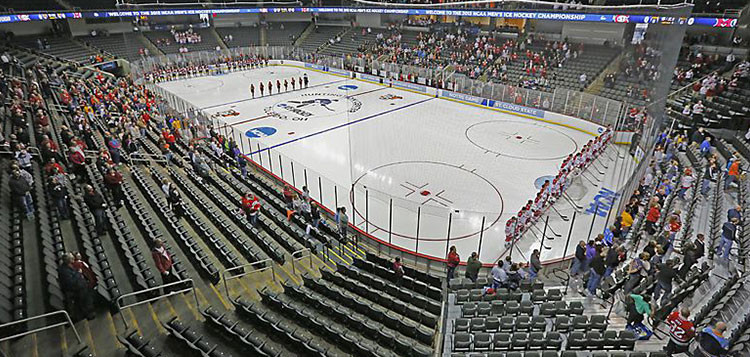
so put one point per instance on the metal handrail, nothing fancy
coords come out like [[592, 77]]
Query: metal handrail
[[301, 255], [63, 312], [269, 265], [121, 308]]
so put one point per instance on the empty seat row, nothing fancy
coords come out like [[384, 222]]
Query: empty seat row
[[12, 278], [500, 308], [418, 300], [503, 294], [290, 336], [408, 271], [342, 302], [501, 341], [232, 330], [191, 340], [481, 282], [500, 324], [138, 346], [387, 301], [557, 354], [322, 318], [405, 281]]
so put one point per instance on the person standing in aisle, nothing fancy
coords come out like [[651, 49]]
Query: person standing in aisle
[[472, 267], [164, 263], [453, 260], [535, 265], [97, 205], [343, 224]]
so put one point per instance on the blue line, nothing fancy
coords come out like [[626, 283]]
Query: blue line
[[246, 99], [342, 125]]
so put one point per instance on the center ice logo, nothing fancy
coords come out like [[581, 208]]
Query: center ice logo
[[313, 105]]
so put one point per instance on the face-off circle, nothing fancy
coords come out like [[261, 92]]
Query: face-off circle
[[521, 140], [314, 105], [437, 187]]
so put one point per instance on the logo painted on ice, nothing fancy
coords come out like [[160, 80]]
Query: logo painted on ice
[[260, 132], [313, 105], [602, 202], [348, 87]]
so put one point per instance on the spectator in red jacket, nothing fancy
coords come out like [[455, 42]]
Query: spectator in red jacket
[[113, 181], [453, 260], [652, 217], [163, 262], [681, 331]]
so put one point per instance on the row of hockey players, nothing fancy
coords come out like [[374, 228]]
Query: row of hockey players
[[572, 166], [177, 71], [302, 81]]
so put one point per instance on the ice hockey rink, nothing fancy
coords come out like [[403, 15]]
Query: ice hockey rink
[[453, 173]]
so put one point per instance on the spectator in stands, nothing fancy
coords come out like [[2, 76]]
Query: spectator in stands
[[681, 331], [615, 256], [626, 222], [711, 341], [652, 217], [705, 148], [711, 175], [665, 273], [343, 224], [20, 190], [288, 196], [97, 205], [472, 267], [113, 182], [59, 194], [686, 182], [79, 299], [314, 214], [700, 246], [733, 174], [690, 253], [514, 277], [728, 234], [735, 212], [636, 307], [24, 158], [597, 271], [639, 268], [577, 267], [165, 265], [535, 265], [452, 261], [175, 202], [398, 270]]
